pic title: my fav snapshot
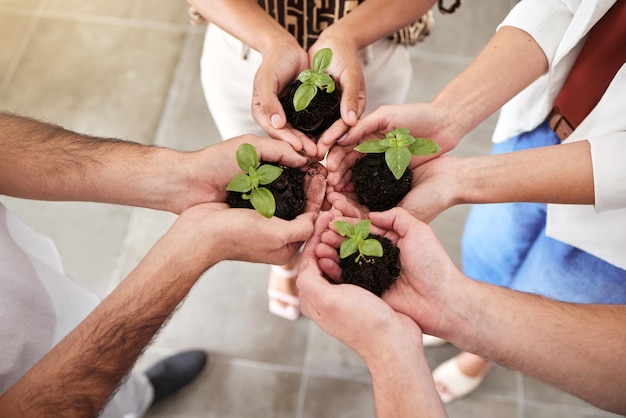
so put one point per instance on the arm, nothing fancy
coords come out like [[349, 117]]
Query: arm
[[401, 378], [345, 38], [47, 162], [498, 323], [77, 377], [283, 60], [510, 61], [554, 174]]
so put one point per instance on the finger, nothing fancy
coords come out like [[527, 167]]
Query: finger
[[315, 187], [330, 136], [274, 150], [372, 125]]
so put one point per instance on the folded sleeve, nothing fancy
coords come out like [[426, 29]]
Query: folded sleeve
[[545, 20]]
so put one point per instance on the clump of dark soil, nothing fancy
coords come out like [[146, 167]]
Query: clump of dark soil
[[322, 112], [288, 191], [376, 274], [375, 185]]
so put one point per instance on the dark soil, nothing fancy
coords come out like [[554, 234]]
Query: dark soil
[[376, 274], [288, 191], [322, 112], [375, 185]]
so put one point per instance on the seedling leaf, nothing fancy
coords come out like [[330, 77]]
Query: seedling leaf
[[247, 157], [322, 60], [347, 248], [373, 146], [397, 160], [240, 183], [268, 173], [372, 247], [263, 201], [423, 146], [303, 96]]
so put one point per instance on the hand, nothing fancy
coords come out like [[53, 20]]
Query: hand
[[433, 189], [346, 70], [280, 66], [429, 281], [349, 313], [212, 232], [207, 172]]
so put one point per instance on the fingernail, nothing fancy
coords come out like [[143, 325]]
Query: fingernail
[[352, 115], [342, 137], [275, 120]]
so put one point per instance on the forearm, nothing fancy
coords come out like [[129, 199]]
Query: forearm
[[357, 25], [47, 162], [553, 174], [246, 21], [403, 385], [510, 62], [552, 341], [78, 376]]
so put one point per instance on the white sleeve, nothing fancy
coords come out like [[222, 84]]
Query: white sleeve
[[545, 20]]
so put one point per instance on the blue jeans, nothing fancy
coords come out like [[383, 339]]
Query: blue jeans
[[506, 244]]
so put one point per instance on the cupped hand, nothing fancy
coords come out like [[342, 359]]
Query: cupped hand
[[216, 231], [211, 169], [429, 279], [434, 188], [348, 312], [280, 66], [348, 74]]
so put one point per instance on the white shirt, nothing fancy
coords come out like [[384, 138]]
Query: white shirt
[[39, 306], [560, 27]]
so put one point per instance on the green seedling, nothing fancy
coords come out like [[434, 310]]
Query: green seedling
[[252, 178], [313, 79], [398, 147], [357, 241]]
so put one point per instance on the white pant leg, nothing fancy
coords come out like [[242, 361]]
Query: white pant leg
[[227, 79]]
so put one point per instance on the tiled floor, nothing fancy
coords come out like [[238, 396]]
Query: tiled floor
[[129, 68]]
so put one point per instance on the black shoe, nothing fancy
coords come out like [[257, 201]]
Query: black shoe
[[170, 375]]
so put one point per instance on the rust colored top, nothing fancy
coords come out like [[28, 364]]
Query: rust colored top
[[602, 55]]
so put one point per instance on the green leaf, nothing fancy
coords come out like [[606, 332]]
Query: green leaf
[[397, 160], [263, 201], [362, 228], [322, 60], [423, 146], [268, 173], [372, 247], [371, 146], [325, 82], [344, 228], [347, 248], [247, 157], [307, 76], [303, 96], [240, 183], [397, 132]]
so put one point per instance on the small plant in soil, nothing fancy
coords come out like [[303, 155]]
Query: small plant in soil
[[270, 189], [381, 178], [306, 108], [376, 264]]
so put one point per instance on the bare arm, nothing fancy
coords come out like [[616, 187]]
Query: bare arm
[[529, 333], [553, 174], [388, 342], [509, 62], [246, 21], [78, 376], [47, 162]]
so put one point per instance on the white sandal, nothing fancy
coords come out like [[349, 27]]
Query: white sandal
[[452, 383], [290, 306]]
